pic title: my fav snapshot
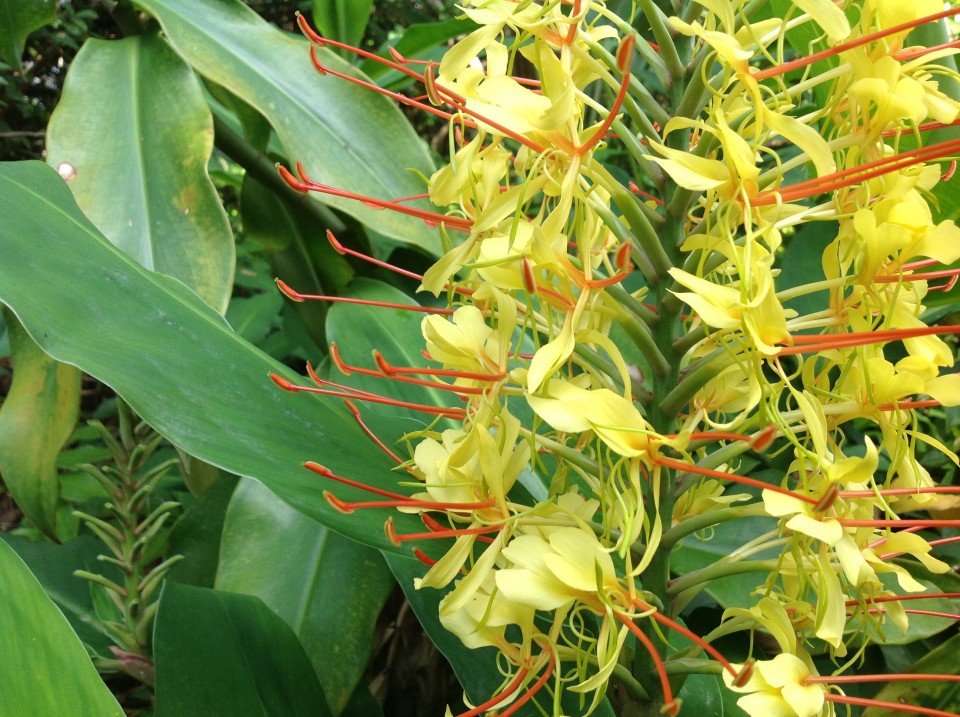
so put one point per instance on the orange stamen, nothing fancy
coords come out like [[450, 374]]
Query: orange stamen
[[342, 250], [370, 434], [849, 45], [895, 706], [825, 342], [455, 413], [671, 704], [297, 296], [854, 679], [898, 522], [733, 478], [623, 64], [447, 533], [327, 473], [854, 175]]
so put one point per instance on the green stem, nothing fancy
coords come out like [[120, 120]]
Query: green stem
[[664, 38], [643, 339], [264, 170], [696, 378], [716, 571], [706, 520]]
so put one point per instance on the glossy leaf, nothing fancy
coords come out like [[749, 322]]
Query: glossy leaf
[[134, 132], [358, 330], [197, 535], [936, 695], [702, 696], [43, 666], [53, 565], [175, 360], [345, 136], [220, 653], [18, 18], [343, 20], [329, 589], [36, 419]]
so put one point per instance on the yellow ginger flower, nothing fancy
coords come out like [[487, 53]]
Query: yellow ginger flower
[[569, 565], [777, 688]]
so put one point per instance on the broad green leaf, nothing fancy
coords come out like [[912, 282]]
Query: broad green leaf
[[933, 695], [345, 136], [329, 589], [252, 317], [702, 696], [172, 358], [358, 330], [197, 535], [133, 134], [18, 18], [43, 666], [220, 653], [36, 419], [343, 20], [53, 565]]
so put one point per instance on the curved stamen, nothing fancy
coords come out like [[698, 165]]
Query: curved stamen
[[322, 470], [895, 706], [671, 705], [849, 45], [733, 478], [455, 413], [416, 308]]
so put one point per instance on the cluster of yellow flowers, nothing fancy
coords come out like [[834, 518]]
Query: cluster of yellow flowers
[[630, 343]]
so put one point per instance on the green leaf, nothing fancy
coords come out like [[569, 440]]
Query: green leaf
[[345, 136], [343, 20], [223, 654], [197, 535], [36, 419], [53, 565], [329, 589], [172, 358], [394, 332], [935, 695], [702, 696], [43, 666], [18, 18], [134, 131], [252, 317]]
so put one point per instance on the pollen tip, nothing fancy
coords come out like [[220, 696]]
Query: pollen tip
[[764, 439], [335, 243], [391, 532], [672, 707], [317, 468], [424, 558], [282, 382], [623, 54], [287, 176], [337, 504], [744, 675], [287, 291], [305, 28]]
